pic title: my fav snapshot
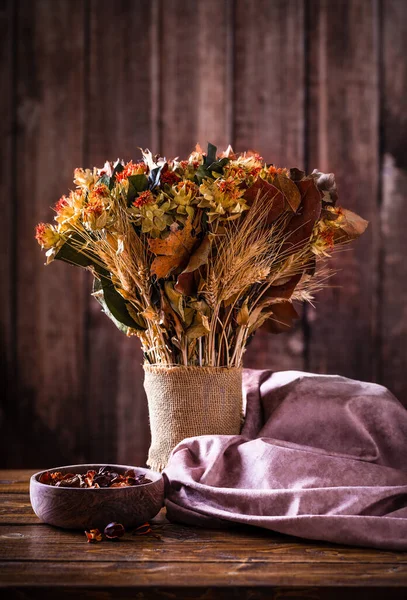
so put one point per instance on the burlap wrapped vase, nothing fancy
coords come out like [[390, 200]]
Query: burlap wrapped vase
[[189, 401]]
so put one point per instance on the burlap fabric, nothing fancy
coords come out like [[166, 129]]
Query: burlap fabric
[[188, 401]]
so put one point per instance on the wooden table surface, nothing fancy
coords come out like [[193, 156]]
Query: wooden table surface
[[37, 560]]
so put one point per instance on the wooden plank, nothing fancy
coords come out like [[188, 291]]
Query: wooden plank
[[211, 593], [120, 119], [393, 275], [216, 593], [17, 480], [269, 118], [174, 543], [7, 207], [343, 138], [146, 574], [195, 76], [50, 427], [16, 509]]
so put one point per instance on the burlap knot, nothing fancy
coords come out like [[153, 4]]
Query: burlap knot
[[189, 401]]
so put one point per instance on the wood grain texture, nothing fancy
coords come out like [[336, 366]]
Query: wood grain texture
[[393, 275], [175, 543], [195, 81], [211, 593], [269, 118], [120, 97], [343, 113], [234, 573], [50, 301], [7, 206]]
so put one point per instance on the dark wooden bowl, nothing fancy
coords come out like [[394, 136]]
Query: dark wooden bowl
[[88, 508]]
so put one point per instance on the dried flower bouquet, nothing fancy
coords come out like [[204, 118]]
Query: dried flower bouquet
[[193, 256]]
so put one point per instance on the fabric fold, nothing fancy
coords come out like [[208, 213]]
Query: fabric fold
[[320, 457]]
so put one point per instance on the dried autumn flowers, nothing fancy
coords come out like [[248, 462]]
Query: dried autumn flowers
[[105, 477], [193, 256]]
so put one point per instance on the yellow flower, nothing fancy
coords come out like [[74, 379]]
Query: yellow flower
[[184, 198], [96, 212], [47, 236], [85, 178], [223, 197], [150, 213], [68, 210]]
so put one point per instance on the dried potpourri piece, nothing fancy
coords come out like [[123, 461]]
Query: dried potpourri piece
[[143, 529], [114, 531], [93, 536], [70, 481], [146, 529], [105, 477]]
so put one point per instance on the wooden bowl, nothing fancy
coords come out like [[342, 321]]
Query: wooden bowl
[[89, 508]]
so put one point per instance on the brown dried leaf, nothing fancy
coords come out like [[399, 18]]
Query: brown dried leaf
[[351, 226], [243, 315], [289, 190], [186, 280], [173, 252], [283, 291], [269, 193], [282, 317], [300, 227], [199, 327]]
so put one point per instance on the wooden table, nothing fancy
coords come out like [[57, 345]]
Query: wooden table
[[37, 560]]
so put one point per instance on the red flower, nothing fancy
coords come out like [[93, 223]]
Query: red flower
[[143, 199], [169, 177], [62, 202]]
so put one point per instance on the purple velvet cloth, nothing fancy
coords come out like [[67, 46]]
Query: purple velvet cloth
[[320, 457]]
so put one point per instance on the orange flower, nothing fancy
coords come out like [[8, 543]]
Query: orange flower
[[46, 235], [143, 199], [131, 169], [277, 171], [61, 204]]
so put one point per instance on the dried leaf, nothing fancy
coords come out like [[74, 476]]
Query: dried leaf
[[269, 193], [282, 317], [296, 174], [300, 227], [350, 225], [173, 252], [186, 280], [175, 298], [199, 327], [283, 291], [289, 189], [170, 317], [243, 315]]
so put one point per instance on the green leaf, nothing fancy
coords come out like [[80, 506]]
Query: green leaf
[[97, 292], [118, 169], [210, 155], [204, 172], [70, 252], [137, 184], [115, 303]]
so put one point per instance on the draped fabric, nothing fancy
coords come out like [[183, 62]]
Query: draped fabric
[[319, 456]]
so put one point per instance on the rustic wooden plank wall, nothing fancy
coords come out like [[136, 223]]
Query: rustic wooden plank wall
[[311, 83]]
